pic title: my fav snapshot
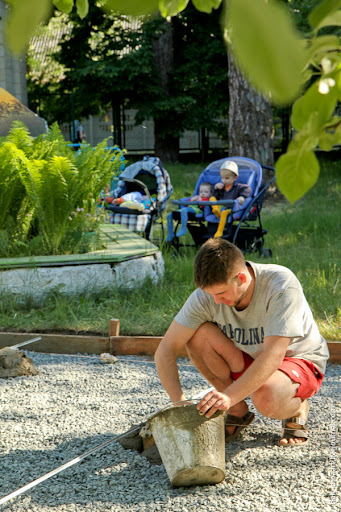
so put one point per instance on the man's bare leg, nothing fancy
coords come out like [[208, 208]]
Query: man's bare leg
[[276, 399], [215, 356]]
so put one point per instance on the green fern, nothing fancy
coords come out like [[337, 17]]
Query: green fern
[[12, 191], [97, 167], [51, 144], [44, 183], [20, 137], [49, 186]]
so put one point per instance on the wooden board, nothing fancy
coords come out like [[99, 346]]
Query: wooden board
[[116, 345], [335, 351], [57, 343], [137, 345]]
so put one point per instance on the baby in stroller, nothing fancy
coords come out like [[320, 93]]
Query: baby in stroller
[[229, 189], [132, 200], [200, 212]]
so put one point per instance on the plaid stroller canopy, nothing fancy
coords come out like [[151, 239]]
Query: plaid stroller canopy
[[142, 221], [153, 166]]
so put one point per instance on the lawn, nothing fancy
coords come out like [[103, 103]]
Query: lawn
[[304, 236]]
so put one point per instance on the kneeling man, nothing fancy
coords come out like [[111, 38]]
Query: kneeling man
[[250, 332]]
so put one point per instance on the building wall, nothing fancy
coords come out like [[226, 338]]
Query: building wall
[[12, 68]]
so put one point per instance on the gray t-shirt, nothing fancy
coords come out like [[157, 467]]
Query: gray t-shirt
[[278, 308]]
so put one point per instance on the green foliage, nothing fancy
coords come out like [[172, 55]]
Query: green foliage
[[205, 5], [172, 7], [122, 67], [82, 8], [272, 54], [64, 5], [134, 7], [267, 47], [48, 193], [313, 114], [322, 12], [24, 17], [11, 187]]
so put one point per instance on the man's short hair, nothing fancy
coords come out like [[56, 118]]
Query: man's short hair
[[217, 261]]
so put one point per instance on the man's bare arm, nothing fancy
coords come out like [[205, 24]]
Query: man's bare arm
[[165, 359], [255, 376]]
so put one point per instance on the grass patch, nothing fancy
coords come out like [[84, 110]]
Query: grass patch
[[305, 237]]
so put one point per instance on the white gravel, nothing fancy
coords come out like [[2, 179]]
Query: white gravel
[[76, 403]]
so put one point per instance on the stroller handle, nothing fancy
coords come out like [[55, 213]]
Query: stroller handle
[[185, 202]]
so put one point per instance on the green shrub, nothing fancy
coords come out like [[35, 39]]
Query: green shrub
[[48, 192]]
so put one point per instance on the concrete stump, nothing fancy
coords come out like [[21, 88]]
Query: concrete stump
[[14, 363]]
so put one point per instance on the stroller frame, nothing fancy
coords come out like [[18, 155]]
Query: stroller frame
[[240, 230], [131, 180]]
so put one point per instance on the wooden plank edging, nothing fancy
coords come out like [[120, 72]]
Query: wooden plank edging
[[116, 345], [58, 343]]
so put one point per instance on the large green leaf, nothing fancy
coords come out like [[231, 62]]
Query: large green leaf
[[23, 20], [267, 47], [133, 7], [64, 5], [82, 8], [313, 103], [172, 7], [332, 19], [296, 172], [322, 45], [206, 5], [331, 136], [323, 10]]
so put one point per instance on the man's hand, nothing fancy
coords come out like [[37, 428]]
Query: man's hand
[[212, 402]]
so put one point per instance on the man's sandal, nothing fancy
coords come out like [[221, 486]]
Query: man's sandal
[[240, 424], [291, 433]]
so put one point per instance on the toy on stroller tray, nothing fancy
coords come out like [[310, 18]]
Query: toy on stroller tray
[[140, 197], [236, 217]]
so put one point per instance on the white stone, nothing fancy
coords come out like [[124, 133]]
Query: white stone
[[36, 283]]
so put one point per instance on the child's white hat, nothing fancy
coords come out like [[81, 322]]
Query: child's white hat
[[228, 165]]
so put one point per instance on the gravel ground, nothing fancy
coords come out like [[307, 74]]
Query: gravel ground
[[77, 403]]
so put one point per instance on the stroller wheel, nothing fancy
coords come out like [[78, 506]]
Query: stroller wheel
[[267, 253]]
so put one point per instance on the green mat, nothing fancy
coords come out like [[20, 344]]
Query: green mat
[[121, 245]]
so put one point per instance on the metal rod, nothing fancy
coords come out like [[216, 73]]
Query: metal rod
[[64, 466], [71, 462], [14, 347]]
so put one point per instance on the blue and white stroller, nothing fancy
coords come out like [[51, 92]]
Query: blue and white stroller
[[146, 178], [244, 225]]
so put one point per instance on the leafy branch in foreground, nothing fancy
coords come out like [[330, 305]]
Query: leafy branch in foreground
[[274, 56]]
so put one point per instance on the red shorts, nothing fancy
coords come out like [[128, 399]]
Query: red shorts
[[301, 371]]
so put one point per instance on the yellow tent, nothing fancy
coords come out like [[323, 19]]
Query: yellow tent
[[12, 109]]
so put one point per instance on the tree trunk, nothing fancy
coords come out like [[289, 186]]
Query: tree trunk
[[251, 127], [167, 149], [166, 145]]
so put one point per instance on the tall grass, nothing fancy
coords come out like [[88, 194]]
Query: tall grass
[[304, 237]]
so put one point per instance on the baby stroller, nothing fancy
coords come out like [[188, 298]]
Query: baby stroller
[[149, 178], [244, 226]]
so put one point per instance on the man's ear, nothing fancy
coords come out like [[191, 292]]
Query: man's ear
[[242, 277]]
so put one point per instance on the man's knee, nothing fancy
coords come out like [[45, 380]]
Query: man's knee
[[202, 335], [265, 399], [270, 398]]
